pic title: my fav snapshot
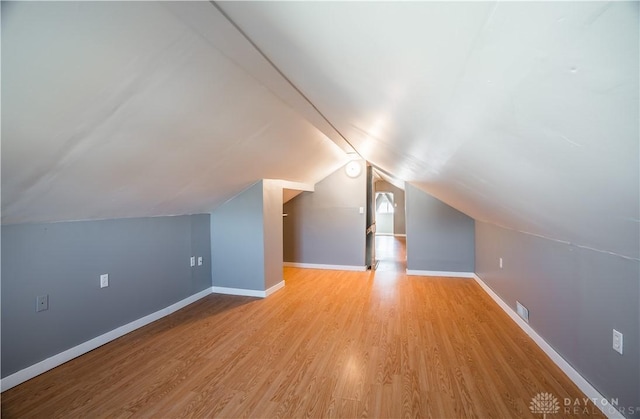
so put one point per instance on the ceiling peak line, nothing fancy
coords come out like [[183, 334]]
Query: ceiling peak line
[[284, 76]]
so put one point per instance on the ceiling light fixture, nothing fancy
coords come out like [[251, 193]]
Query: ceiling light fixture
[[353, 168]]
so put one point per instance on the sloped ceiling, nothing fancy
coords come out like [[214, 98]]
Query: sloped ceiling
[[124, 109], [523, 114]]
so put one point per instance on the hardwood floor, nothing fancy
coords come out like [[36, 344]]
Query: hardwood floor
[[391, 253], [329, 344]]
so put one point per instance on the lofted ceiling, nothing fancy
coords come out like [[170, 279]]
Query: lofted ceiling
[[522, 114], [125, 109]]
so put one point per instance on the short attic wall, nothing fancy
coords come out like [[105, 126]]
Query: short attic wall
[[147, 260], [148, 263], [575, 297]]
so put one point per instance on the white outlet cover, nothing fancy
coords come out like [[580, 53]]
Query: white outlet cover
[[617, 341], [192, 261], [199, 260], [500, 263], [104, 280]]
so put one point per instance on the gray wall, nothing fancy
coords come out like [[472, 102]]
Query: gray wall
[[246, 239], [325, 226], [272, 217], [237, 241], [399, 223], [439, 237], [147, 260], [575, 298]]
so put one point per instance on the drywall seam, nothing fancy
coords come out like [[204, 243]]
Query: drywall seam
[[589, 391], [82, 220], [445, 274], [323, 266], [288, 80], [561, 241], [59, 359]]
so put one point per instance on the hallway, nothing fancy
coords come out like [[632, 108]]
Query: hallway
[[391, 253]]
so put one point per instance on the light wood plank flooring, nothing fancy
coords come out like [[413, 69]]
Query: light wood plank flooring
[[329, 344], [391, 253]]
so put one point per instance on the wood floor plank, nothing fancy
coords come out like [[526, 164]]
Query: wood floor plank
[[329, 344]]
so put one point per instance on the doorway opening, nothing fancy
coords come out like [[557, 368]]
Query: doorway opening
[[384, 213], [390, 232], [386, 226]]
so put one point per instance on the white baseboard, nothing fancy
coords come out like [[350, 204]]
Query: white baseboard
[[248, 293], [400, 235], [239, 291], [59, 359], [322, 266], [441, 273], [275, 288], [589, 391]]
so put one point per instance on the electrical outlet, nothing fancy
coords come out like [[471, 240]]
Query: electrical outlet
[[500, 263], [192, 261], [522, 311], [104, 280], [617, 341], [199, 260], [42, 303]]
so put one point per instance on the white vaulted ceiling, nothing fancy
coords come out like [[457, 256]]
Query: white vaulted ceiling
[[130, 109], [522, 114]]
